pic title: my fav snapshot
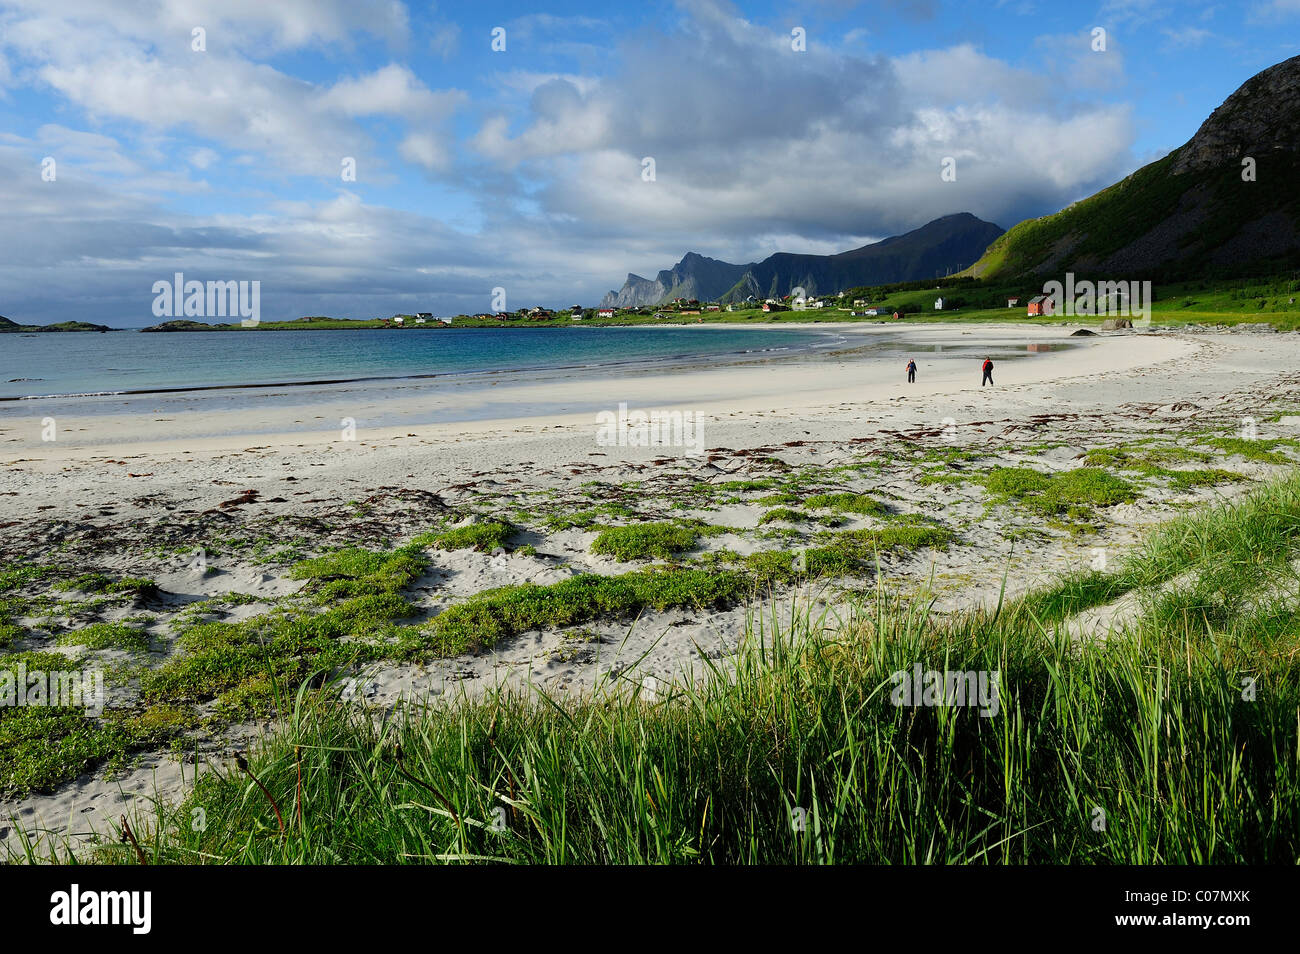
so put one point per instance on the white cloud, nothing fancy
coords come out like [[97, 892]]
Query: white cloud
[[1275, 10], [756, 137], [444, 41], [203, 157], [230, 24], [142, 69], [1188, 37], [757, 149], [426, 150]]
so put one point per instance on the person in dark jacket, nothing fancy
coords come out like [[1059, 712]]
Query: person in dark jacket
[[988, 372], [911, 371]]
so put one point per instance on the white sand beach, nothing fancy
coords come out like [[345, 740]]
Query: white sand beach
[[133, 479]]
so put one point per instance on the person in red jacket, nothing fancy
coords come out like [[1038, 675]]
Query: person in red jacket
[[988, 372], [911, 371]]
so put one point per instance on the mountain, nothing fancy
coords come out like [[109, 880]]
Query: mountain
[[944, 245], [1197, 212], [695, 276]]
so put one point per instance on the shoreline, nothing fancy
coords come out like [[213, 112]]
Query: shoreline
[[461, 406], [139, 511]]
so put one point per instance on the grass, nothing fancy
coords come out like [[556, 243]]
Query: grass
[[107, 636], [42, 745], [1223, 554], [485, 535], [643, 541], [782, 515], [1180, 726], [844, 503], [1073, 493], [493, 615], [355, 572], [1261, 451], [9, 630], [1184, 734], [101, 583], [1150, 461], [583, 519], [854, 552]]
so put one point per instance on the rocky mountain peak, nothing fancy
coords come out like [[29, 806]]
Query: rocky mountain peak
[[1262, 116]]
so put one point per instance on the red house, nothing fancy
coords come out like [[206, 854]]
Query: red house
[[1041, 305]]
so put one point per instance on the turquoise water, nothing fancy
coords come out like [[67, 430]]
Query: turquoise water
[[129, 362]]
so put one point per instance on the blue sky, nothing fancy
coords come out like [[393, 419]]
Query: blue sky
[[522, 168]]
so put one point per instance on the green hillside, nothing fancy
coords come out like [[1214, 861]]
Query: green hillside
[[1194, 214]]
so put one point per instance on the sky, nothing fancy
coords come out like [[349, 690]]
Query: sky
[[361, 158]]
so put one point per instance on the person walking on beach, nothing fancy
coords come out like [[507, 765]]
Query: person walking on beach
[[911, 371], [988, 372]]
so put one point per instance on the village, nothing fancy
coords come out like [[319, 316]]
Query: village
[[831, 307]]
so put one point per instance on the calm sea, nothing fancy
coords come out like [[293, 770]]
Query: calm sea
[[129, 362]]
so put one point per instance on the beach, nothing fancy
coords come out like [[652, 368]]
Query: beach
[[135, 493]]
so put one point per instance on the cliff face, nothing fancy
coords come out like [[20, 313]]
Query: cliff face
[[945, 245], [695, 276], [1259, 119]]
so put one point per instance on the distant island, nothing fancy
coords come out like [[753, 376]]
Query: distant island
[[13, 327]]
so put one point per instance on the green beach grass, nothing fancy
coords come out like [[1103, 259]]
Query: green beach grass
[[1172, 741]]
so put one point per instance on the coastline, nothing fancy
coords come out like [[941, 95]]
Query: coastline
[[473, 405], [140, 509]]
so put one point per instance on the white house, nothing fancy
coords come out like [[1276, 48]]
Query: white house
[[938, 304]]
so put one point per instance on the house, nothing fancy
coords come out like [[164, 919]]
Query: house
[[1041, 305], [712, 307], [420, 321], [425, 315], [1012, 302], [859, 302], [399, 320], [774, 306], [606, 313], [938, 304], [660, 314]]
